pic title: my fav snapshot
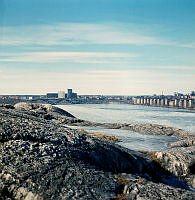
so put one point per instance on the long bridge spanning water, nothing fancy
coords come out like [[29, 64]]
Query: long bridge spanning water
[[165, 101]]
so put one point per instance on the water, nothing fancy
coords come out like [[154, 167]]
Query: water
[[123, 113], [134, 140]]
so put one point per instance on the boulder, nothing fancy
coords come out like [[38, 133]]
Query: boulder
[[42, 109]]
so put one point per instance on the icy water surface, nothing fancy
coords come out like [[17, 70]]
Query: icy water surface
[[124, 113], [134, 140]]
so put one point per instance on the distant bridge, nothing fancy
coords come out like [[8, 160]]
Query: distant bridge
[[163, 101]]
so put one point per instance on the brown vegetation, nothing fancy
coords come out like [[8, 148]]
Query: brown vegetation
[[120, 197], [101, 136], [152, 155], [123, 181]]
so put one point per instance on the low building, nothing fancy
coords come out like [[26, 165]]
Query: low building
[[52, 95]]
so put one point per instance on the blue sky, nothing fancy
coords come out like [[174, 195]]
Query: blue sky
[[97, 46]]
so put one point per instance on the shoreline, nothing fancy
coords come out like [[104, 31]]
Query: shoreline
[[60, 101], [114, 102]]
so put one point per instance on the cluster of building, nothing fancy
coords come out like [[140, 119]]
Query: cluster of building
[[59, 95], [62, 95], [22, 97], [177, 100]]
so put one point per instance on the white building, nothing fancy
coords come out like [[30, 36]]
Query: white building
[[61, 94]]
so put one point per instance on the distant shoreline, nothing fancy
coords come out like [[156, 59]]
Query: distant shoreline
[[64, 102]]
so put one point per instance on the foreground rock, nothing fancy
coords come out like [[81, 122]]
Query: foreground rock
[[180, 162], [42, 159]]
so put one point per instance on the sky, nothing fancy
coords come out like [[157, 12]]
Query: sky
[[108, 47]]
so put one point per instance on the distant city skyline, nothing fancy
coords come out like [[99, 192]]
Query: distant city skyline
[[63, 92], [97, 47]]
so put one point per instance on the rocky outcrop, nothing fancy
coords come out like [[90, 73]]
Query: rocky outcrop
[[180, 162], [189, 141], [42, 109], [40, 158], [141, 189]]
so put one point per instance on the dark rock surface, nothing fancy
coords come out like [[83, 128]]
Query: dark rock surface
[[42, 109], [40, 158], [138, 188]]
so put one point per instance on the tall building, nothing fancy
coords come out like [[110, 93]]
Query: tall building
[[61, 94], [71, 95]]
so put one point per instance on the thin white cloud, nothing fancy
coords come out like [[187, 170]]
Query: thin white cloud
[[173, 67], [136, 75], [187, 45], [73, 57], [77, 33], [86, 33]]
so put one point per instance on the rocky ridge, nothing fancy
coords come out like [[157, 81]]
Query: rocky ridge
[[40, 158]]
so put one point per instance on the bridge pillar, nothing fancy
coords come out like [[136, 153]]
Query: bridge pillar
[[181, 103], [185, 103], [151, 102], [158, 102], [176, 103], [162, 102], [166, 102], [189, 103], [142, 100]]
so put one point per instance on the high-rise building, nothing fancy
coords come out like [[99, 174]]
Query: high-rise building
[[70, 91], [71, 95]]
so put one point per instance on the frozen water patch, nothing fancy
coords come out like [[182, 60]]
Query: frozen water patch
[[125, 113], [133, 140]]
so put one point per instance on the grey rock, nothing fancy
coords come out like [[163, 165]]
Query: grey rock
[[42, 109], [141, 189], [41, 158]]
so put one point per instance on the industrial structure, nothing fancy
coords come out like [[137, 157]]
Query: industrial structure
[[52, 95], [178, 100], [62, 95]]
